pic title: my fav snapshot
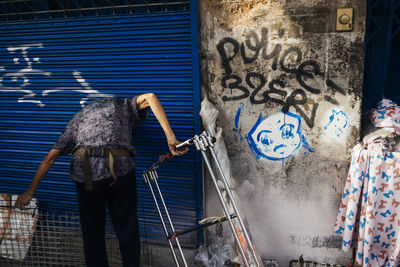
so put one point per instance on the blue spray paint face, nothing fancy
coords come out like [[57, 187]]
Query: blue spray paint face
[[276, 137], [337, 122]]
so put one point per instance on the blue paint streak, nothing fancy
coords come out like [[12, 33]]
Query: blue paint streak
[[278, 147], [340, 115], [287, 131], [306, 145], [263, 139], [237, 117], [251, 142]]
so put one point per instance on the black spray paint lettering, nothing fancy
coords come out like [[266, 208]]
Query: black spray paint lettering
[[225, 58], [302, 72], [250, 77], [250, 50], [259, 45], [273, 90], [277, 49], [294, 101], [256, 47], [275, 94], [236, 84], [292, 50], [335, 88]]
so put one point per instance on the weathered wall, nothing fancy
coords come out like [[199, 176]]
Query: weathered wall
[[260, 58]]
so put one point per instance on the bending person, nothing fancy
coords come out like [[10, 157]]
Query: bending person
[[99, 137]]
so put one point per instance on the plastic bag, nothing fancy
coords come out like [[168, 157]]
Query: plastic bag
[[213, 255], [16, 227], [209, 115]]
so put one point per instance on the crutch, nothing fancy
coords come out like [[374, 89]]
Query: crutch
[[205, 142], [150, 176]]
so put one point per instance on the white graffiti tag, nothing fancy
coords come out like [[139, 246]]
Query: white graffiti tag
[[86, 89], [20, 80]]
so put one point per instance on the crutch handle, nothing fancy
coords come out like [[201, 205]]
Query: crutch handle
[[210, 140], [184, 144], [160, 160]]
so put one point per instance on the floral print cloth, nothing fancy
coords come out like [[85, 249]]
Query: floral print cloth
[[105, 123], [369, 213]]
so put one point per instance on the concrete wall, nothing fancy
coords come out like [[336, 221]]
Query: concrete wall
[[260, 58]]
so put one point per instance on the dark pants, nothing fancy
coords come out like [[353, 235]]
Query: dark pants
[[121, 199]]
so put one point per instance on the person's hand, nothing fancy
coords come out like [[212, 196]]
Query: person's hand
[[172, 147], [23, 200]]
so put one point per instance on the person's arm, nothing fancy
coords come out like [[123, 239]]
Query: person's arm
[[41, 172], [150, 100]]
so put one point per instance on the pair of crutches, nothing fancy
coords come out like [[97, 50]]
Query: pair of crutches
[[203, 142]]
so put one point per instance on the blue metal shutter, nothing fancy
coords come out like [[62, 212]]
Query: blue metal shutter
[[48, 69]]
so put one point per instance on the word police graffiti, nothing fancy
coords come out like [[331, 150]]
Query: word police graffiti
[[255, 85], [20, 78]]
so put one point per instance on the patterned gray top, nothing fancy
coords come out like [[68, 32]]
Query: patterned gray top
[[104, 123]]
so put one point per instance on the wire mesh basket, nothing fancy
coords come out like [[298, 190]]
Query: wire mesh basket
[[35, 237]]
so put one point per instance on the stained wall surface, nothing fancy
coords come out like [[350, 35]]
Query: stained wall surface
[[288, 88]]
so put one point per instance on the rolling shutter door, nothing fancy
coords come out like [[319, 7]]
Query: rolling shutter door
[[49, 69]]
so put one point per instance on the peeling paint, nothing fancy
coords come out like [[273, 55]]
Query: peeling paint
[[233, 12]]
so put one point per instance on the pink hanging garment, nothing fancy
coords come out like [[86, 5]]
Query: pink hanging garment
[[369, 214]]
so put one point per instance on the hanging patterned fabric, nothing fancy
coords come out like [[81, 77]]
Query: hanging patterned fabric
[[369, 214], [387, 116]]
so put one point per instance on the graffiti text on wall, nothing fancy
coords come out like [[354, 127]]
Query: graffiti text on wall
[[277, 137], [255, 86], [19, 78]]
